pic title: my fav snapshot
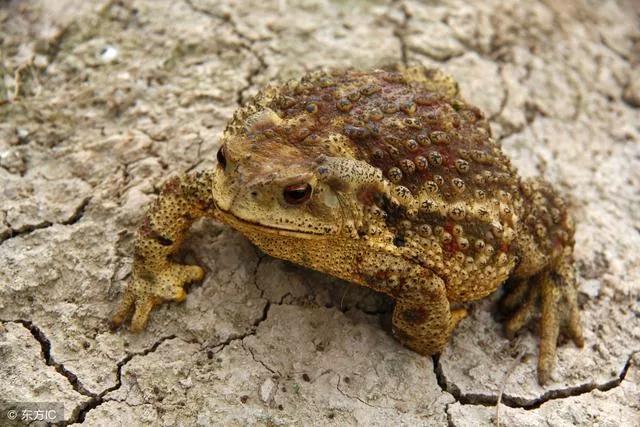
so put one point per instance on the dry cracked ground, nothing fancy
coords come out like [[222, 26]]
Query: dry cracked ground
[[101, 101]]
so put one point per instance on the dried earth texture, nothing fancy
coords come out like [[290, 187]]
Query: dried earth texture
[[101, 101]]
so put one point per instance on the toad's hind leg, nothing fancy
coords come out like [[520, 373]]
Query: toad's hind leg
[[560, 313], [556, 291], [524, 299], [545, 274]]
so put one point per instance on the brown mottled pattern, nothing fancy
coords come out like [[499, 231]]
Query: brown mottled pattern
[[422, 132]]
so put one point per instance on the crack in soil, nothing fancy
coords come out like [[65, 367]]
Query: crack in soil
[[261, 362], [80, 413], [527, 404], [251, 77], [400, 30], [74, 218], [246, 45], [450, 422], [505, 94], [45, 346], [254, 327], [354, 397]]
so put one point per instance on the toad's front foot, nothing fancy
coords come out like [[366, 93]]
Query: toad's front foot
[[422, 318], [156, 279], [150, 288], [557, 294], [428, 337]]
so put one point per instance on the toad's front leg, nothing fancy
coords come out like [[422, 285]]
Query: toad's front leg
[[155, 278], [422, 318]]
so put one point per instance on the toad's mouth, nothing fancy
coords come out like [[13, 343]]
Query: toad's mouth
[[243, 225]]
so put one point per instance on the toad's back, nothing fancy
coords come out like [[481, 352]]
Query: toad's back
[[423, 136]]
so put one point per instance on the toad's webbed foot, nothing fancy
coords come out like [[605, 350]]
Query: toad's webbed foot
[[150, 288], [557, 294]]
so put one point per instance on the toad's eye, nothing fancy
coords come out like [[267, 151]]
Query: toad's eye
[[222, 159], [297, 193]]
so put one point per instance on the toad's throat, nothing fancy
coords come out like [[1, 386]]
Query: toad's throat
[[244, 225]]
